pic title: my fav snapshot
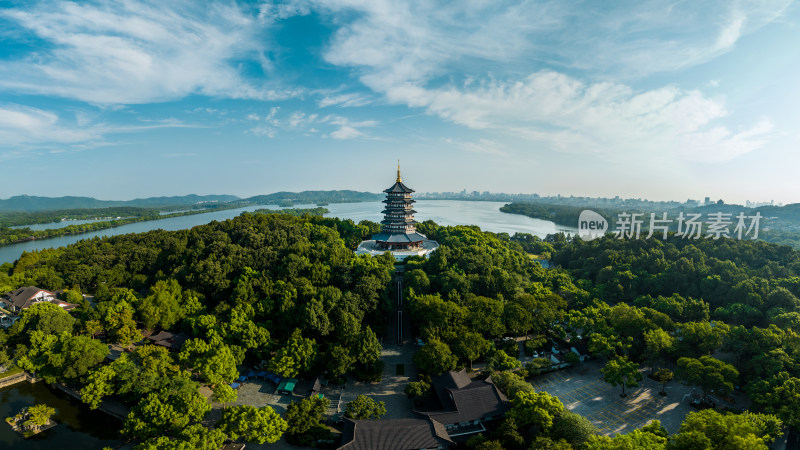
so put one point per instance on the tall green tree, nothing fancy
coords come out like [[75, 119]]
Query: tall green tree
[[297, 356], [658, 344], [713, 430], [305, 414], [707, 372], [470, 346], [63, 356], [663, 376], [621, 371], [251, 424], [573, 428], [213, 361], [435, 358], [46, 317], [224, 393], [117, 320], [535, 408], [364, 407], [368, 349], [164, 413], [193, 437]]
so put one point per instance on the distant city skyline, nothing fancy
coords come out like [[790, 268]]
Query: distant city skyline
[[657, 100]]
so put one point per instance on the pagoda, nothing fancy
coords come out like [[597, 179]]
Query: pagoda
[[398, 228]]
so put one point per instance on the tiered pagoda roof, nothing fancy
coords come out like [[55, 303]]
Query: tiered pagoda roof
[[399, 229]]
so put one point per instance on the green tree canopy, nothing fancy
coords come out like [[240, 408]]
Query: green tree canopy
[[573, 428], [164, 413], [296, 357], [470, 346], [707, 372], [364, 407], [193, 437], [621, 371], [62, 356], [251, 424], [435, 358], [535, 408], [726, 431], [305, 414], [46, 317]]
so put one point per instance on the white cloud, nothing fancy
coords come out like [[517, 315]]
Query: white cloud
[[346, 132], [299, 121], [111, 52], [483, 146], [21, 125], [605, 118], [23, 128], [436, 57], [344, 100]]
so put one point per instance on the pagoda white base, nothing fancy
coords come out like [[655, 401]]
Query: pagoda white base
[[371, 248]]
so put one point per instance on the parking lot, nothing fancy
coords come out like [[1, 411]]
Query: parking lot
[[583, 391]]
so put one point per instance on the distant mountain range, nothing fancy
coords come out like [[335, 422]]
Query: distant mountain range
[[33, 203], [29, 203], [307, 197]]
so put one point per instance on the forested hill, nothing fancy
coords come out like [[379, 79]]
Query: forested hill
[[289, 293], [779, 224], [28, 203], [307, 197], [33, 203]]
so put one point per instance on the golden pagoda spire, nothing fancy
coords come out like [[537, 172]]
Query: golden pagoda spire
[[399, 180]]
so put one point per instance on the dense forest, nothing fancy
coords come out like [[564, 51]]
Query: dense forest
[[288, 294], [720, 315], [778, 224]]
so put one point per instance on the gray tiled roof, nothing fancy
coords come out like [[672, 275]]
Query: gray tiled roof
[[465, 400], [20, 298], [399, 187], [399, 237], [394, 434]]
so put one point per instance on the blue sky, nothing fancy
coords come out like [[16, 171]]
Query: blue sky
[[654, 99]]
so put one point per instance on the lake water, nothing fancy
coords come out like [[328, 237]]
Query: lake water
[[59, 224], [486, 215], [78, 428]]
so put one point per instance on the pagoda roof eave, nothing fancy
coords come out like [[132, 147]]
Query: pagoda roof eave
[[399, 187], [405, 211]]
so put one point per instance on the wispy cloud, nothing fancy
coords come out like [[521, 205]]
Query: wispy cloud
[[341, 127], [24, 127], [482, 146], [344, 100], [436, 57], [113, 52]]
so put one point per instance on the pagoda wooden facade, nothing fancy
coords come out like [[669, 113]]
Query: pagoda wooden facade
[[399, 229]]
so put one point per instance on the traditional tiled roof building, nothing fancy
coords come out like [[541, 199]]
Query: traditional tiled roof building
[[398, 228], [466, 406], [394, 434], [466, 403]]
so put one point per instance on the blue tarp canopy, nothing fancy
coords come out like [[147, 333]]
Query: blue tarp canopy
[[272, 377]]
